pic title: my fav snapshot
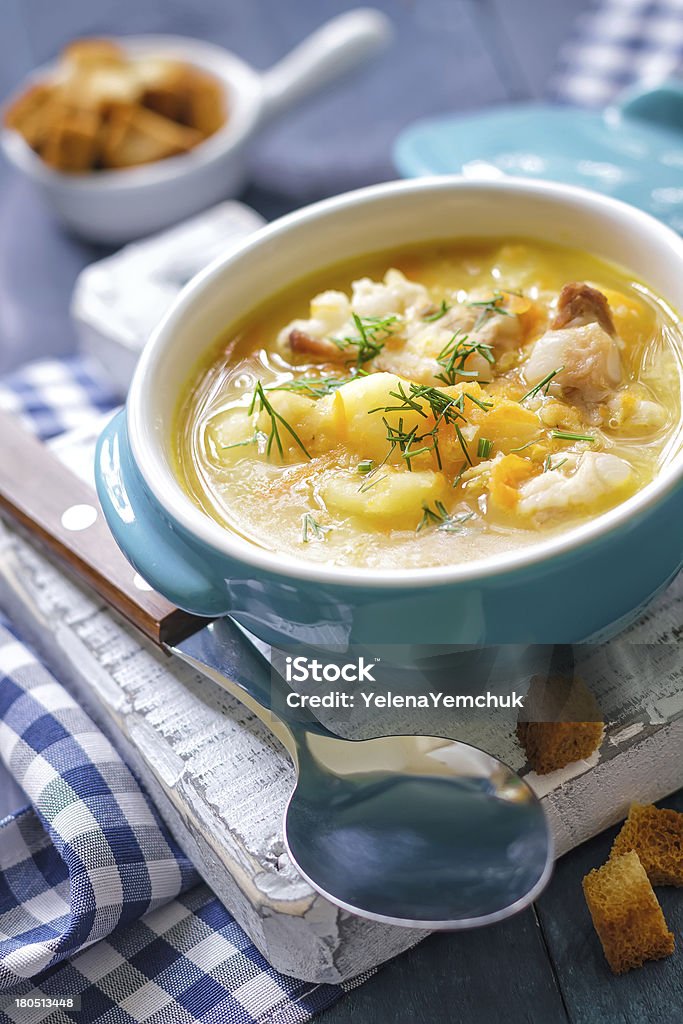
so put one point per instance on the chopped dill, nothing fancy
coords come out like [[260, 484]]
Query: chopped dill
[[463, 443], [489, 307], [444, 408], [254, 439], [547, 465], [276, 420], [313, 387], [452, 524], [479, 401], [454, 355], [440, 517], [459, 474], [523, 447], [566, 435], [441, 311], [430, 516], [371, 481], [373, 332], [484, 448], [542, 385], [311, 528]]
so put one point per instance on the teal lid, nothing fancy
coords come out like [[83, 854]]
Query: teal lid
[[632, 150]]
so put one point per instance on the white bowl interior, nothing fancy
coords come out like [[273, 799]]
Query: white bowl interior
[[381, 217]]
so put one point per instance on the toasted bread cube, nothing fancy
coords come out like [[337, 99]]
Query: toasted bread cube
[[86, 53], [26, 113], [36, 125], [138, 136], [553, 745], [182, 93], [561, 723], [206, 103], [626, 914], [165, 88], [656, 835], [72, 144], [100, 89], [105, 109]]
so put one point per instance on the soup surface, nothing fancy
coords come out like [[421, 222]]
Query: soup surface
[[434, 406]]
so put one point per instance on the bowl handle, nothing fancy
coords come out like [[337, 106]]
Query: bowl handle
[[661, 104], [166, 558], [331, 51]]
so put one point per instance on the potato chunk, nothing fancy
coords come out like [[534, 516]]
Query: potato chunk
[[318, 423], [390, 499], [232, 434], [365, 401]]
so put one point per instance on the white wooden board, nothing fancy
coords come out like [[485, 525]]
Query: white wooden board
[[221, 781]]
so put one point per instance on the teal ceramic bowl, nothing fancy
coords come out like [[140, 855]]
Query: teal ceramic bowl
[[580, 585]]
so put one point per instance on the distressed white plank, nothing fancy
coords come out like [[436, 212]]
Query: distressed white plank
[[221, 781]]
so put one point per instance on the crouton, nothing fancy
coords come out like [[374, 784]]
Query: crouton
[[103, 108], [206, 106], [137, 136], [656, 835], [561, 723], [71, 144], [87, 53], [626, 914]]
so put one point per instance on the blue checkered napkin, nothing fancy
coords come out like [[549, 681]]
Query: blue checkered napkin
[[616, 44], [54, 395], [85, 861], [92, 854], [186, 963]]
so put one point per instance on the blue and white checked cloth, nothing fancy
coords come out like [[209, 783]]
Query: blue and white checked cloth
[[96, 900], [617, 44], [52, 396]]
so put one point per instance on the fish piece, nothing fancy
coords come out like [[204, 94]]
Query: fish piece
[[395, 295], [582, 481], [581, 348], [579, 304]]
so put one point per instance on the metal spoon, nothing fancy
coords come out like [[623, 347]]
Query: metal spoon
[[420, 831]]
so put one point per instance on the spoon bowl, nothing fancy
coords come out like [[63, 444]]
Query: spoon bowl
[[419, 831]]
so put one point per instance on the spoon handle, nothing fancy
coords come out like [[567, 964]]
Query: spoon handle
[[226, 653]]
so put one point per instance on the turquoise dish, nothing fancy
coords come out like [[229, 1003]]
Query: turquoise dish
[[585, 583], [632, 151]]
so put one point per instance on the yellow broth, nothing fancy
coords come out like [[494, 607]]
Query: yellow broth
[[393, 447]]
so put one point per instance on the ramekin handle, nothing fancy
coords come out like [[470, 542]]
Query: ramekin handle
[[165, 559], [341, 45]]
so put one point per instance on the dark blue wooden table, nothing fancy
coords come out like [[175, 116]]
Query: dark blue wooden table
[[544, 966]]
